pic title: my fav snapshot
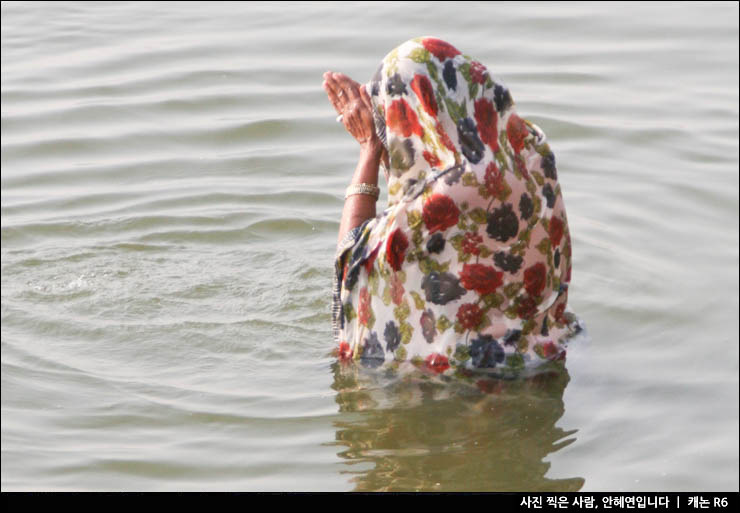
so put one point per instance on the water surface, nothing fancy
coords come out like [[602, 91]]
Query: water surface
[[172, 180]]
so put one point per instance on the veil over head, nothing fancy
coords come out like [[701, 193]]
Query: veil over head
[[469, 265]]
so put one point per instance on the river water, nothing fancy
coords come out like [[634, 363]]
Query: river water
[[172, 181]]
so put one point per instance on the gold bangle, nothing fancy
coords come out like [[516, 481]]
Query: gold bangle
[[362, 188]]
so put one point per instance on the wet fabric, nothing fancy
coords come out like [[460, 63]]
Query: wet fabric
[[468, 267]]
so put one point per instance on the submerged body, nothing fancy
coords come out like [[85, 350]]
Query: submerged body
[[469, 265]]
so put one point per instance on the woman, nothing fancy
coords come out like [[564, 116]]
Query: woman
[[468, 267]]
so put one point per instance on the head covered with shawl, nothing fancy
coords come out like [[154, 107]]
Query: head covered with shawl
[[469, 265]]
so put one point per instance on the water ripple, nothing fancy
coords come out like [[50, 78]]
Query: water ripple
[[172, 182]]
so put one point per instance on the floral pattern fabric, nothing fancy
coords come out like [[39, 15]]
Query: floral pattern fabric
[[468, 267]]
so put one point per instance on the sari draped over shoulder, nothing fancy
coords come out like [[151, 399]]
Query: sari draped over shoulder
[[469, 265]]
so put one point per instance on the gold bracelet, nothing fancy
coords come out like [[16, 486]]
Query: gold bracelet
[[362, 188]]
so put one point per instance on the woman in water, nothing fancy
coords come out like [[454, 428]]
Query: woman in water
[[468, 266]]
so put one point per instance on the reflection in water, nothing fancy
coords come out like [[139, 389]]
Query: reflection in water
[[474, 434]]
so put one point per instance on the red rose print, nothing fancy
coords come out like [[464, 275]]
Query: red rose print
[[494, 180], [397, 289], [437, 363], [470, 243], [487, 120], [567, 275], [440, 49], [370, 261], [402, 119], [445, 138], [424, 91], [431, 158], [439, 213], [344, 352], [363, 309], [395, 249], [516, 131], [483, 279], [477, 72], [469, 315], [534, 279], [556, 231], [527, 308], [552, 351]]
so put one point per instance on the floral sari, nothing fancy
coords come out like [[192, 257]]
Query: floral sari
[[468, 267]]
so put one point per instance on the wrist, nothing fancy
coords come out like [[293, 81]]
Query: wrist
[[372, 148]]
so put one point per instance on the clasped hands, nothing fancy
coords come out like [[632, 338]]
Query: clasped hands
[[352, 103]]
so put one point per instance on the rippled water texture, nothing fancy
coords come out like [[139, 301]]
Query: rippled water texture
[[172, 180]]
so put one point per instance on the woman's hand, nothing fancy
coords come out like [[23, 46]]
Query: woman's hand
[[351, 101]]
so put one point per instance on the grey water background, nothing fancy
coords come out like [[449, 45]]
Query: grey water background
[[172, 181]]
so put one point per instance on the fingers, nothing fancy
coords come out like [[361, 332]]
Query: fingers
[[352, 92], [332, 92], [343, 92], [348, 86], [366, 98], [334, 100], [351, 100], [368, 107], [344, 79], [355, 121], [330, 84]]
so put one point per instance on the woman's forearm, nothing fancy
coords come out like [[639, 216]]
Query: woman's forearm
[[360, 207]]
